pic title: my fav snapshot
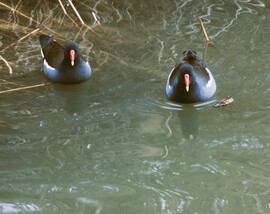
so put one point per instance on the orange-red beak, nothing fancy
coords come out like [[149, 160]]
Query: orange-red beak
[[72, 57], [187, 81]]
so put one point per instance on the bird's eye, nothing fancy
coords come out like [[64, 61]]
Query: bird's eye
[[185, 52]]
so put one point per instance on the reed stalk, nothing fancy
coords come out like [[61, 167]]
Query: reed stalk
[[7, 64], [204, 31], [208, 41], [24, 88], [76, 12]]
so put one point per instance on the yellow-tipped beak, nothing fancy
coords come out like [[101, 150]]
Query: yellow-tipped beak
[[187, 81], [72, 57]]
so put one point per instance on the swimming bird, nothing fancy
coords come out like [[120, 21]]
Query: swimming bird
[[190, 80], [63, 64]]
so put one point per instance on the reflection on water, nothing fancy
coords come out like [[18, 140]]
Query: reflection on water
[[115, 144]]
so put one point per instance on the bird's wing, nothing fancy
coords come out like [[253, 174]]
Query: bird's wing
[[51, 51]]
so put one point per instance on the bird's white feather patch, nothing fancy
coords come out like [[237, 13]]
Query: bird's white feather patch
[[41, 53], [211, 78], [47, 65], [49, 71]]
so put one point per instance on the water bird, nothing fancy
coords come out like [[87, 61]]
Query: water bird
[[63, 64], [190, 80]]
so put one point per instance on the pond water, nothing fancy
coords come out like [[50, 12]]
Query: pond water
[[115, 144]]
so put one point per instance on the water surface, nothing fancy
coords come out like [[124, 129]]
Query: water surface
[[115, 144]]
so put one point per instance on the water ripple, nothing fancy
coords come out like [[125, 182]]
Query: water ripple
[[242, 7], [19, 207]]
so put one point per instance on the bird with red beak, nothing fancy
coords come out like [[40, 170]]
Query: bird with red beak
[[63, 64], [190, 80]]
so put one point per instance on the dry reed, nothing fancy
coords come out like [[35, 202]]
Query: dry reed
[[24, 87], [19, 40], [204, 31], [208, 41], [7, 64]]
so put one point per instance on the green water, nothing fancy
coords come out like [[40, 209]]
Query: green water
[[115, 144]]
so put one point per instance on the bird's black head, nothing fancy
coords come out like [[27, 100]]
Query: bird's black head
[[190, 56]]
